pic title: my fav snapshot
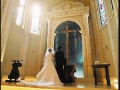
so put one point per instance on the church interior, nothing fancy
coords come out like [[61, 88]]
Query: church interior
[[87, 30]]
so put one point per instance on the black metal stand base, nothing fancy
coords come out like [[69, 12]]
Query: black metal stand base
[[12, 81]]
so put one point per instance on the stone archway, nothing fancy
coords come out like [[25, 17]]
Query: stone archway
[[54, 19]]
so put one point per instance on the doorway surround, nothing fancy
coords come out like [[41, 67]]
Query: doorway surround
[[76, 12]]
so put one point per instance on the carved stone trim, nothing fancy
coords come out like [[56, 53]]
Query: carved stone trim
[[53, 34], [68, 9], [49, 20], [83, 31], [68, 12], [85, 16], [65, 5]]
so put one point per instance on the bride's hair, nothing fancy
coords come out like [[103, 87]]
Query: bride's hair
[[49, 49]]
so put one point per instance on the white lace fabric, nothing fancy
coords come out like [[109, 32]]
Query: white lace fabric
[[47, 76]]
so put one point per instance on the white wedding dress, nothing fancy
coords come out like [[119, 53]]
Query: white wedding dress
[[47, 76]]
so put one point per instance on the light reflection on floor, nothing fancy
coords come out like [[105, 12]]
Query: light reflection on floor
[[67, 86]]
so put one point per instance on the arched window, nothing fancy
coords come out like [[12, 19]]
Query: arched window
[[35, 20], [102, 14], [21, 13]]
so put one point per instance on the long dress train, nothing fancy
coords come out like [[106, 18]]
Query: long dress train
[[47, 76]]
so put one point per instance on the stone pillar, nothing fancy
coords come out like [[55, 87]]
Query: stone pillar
[[88, 46], [113, 38], [115, 10], [83, 34], [49, 33], [24, 47], [7, 13], [52, 39], [23, 54], [42, 39], [117, 3]]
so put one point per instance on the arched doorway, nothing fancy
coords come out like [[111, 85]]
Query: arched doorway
[[69, 37], [78, 14]]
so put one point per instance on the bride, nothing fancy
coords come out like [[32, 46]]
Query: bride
[[48, 75]]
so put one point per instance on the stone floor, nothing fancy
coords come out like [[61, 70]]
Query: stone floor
[[66, 86]]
